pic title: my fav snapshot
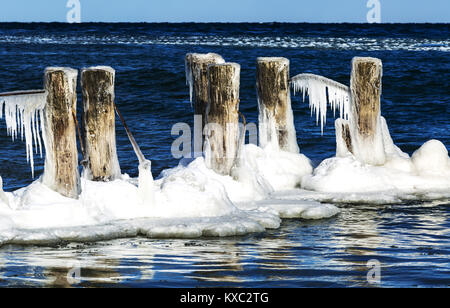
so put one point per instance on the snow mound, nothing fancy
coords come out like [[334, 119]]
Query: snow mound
[[427, 173]]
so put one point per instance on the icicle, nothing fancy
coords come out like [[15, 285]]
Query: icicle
[[21, 118], [189, 79], [316, 88]]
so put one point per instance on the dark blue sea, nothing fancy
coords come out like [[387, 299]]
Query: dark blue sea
[[412, 241]]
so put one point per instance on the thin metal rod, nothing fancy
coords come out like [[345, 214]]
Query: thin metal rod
[[136, 147], [22, 93]]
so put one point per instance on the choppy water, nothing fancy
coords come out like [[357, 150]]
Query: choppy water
[[410, 240]]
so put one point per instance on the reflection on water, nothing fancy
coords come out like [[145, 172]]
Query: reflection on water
[[411, 242]]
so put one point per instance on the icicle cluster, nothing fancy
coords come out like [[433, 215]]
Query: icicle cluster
[[317, 88], [24, 116]]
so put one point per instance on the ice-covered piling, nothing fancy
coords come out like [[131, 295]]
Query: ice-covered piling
[[365, 120], [276, 122], [222, 129], [61, 162], [197, 79], [99, 121]]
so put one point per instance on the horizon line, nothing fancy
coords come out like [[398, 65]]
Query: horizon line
[[219, 22]]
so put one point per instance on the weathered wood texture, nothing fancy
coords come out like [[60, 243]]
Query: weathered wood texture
[[272, 83], [223, 116], [366, 93], [61, 163], [346, 136], [99, 126], [197, 75], [366, 87], [344, 144]]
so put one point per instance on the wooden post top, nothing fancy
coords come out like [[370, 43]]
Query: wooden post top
[[367, 59], [232, 64], [205, 57], [71, 72], [280, 60], [223, 71], [99, 68], [226, 65]]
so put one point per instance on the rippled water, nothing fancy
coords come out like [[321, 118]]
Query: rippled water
[[411, 241]]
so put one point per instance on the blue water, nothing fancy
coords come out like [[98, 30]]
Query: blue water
[[410, 240]]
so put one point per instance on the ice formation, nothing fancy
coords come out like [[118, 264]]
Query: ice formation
[[426, 173], [371, 170], [323, 91], [188, 201], [24, 116], [146, 184]]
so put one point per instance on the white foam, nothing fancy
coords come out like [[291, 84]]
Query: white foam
[[290, 41]]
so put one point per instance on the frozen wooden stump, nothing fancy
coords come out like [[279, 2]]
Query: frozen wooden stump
[[274, 98], [222, 116], [61, 163], [366, 99], [99, 125], [197, 78]]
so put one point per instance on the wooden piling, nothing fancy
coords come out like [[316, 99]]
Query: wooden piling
[[272, 83], [61, 163], [197, 77], [99, 127], [222, 116], [366, 110]]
